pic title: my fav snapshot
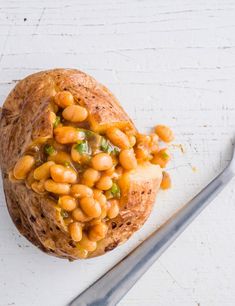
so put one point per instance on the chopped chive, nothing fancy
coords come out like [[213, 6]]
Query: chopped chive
[[49, 150], [107, 147], [104, 144], [115, 190], [116, 151], [64, 214], [165, 155], [88, 133], [82, 147], [57, 121]]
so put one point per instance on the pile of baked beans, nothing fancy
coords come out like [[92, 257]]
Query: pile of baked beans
[[82, 170]]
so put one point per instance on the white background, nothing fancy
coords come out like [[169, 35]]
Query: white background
[[168, 62]]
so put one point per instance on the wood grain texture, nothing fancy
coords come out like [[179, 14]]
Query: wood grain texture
[[167, 61]]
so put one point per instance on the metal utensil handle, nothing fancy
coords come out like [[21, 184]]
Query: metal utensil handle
[[113, 285]]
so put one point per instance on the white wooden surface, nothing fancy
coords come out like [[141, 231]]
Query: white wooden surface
[[167, 61]]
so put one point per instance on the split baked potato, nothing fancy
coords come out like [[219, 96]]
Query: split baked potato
[[78, 177]]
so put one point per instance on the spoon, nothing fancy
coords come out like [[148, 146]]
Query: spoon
[[113, 285]]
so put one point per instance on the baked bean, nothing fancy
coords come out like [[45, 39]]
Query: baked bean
[[68, 220], [110, 171], [113, 209], [75, 113], [87, 183], [43, 171], [143, 140], [90, 177], [91, 207], [103, 212], [108, 195], [154, 146], [97, 231], [79, 156], [28, 181], [61, 174], [81, 252], [164, 133], [79, 215], [57, 188], [68, 134], [104, 183], [118, 172], [94, 222], [142, 149], [142, 153], [166, 181], [64, 99], [23, 167], [38, 187], [118, 138], [161, 158], [132, 140], [101, 198], [68, 203], [97, 193], [102, 161], [114, 176], [127, 159], [76, 156], [87, 244], [60, 157], [75, 230], [124, 182], [81, 191]]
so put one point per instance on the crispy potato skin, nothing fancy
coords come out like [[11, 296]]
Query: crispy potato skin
[[136, 207], [24, 118]]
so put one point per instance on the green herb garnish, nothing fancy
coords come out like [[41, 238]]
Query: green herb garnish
[[165, 155], [116, 151], [82, 147], [49, 150], [64, 214], [57, 122], [88, 133], [67, 164], [107, 147], [115, 190]]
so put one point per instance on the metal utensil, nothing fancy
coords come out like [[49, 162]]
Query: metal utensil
[[112, 286]]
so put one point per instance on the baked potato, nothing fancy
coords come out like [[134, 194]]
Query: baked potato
[[77, 176]]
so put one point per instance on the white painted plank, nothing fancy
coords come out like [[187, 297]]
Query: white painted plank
[[167, 61]]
